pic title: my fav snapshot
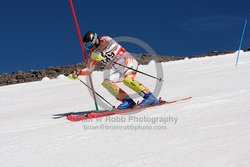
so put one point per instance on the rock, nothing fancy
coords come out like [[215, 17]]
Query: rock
[[247, 50], [56, 72]]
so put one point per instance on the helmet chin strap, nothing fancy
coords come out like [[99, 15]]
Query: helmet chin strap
[[94, 47]]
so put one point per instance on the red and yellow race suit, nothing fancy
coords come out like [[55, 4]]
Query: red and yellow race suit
[[113, 52]]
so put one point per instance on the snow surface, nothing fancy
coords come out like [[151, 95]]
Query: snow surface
[[212, 129]]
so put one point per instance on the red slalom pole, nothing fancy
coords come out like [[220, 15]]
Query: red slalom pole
[[82, 48], [78, 30]]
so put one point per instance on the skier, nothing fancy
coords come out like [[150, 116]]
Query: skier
[[107, 51]]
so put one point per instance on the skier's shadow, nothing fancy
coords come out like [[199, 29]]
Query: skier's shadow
[[57, 116]]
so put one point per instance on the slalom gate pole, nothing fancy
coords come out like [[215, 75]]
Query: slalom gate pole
[[83, 52], [241, 40], [159, 79], [98, 94]]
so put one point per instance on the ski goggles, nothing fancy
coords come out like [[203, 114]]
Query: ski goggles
[[88, 45]]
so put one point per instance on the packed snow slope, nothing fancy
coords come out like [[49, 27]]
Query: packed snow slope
[[211, 129]]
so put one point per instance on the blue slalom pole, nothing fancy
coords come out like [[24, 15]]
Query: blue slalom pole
[[241, 40]]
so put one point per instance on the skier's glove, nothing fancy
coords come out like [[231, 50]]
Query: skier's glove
[[75, 72], [74, 75], [98, 56]]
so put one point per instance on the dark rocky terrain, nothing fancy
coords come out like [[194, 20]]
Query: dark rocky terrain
[[53, 72]]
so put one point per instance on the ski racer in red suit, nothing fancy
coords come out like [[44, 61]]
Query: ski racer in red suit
[[107, 51]]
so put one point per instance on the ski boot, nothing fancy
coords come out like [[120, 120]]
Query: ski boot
[[126, 104], [142, 90], [149, 99]]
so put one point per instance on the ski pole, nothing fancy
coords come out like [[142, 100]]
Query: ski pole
[[97, 94], [160, 79]]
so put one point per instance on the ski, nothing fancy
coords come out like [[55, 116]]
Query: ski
[[104, 113]]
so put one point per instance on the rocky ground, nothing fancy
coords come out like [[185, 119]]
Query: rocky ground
[[53, 72]]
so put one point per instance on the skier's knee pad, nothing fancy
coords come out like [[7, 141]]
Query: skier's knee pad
[[105, 83], [118, 93], [134, 85], [111, 87]]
